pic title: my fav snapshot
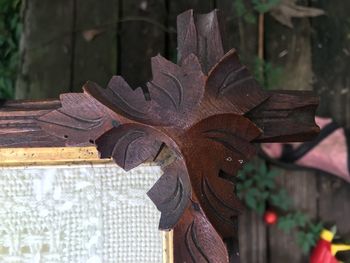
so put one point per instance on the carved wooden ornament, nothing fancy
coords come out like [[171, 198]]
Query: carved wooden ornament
[[207, 109]]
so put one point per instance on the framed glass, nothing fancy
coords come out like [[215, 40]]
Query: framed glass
[[67, 205]]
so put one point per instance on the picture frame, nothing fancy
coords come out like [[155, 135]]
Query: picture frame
[[206, 110], [64, 157]]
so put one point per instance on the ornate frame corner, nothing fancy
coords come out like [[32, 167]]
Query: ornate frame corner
[[207, 109]]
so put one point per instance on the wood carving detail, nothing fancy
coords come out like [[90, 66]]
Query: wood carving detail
[[196, 240], [173, 94], [172, 194], [207, 109]]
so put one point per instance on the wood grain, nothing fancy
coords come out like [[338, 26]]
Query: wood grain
[[141, 36], [95, 42], [178, 7], [301, 185], [46, 48]]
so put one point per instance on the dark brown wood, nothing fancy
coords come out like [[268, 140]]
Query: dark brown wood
[[202, 108], [178, 7], [200, 35], [195, 239], [172, 194], [293, 110]]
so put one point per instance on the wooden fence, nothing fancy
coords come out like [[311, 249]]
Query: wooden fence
[[67, 42]]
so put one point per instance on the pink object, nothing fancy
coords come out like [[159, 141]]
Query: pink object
[[330, 155]]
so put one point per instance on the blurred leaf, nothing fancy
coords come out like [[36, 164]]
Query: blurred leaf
[[287, 9], [242, 11], [280, 200], [250, 18], [292, 220], [272, 74], [240, 8], [306, 240], [10, 30], [265, 6]]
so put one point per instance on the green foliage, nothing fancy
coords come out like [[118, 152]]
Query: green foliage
[[256, 186], [291, 221], [243, 12], [262, 6], [280, 199], [255, 190], [308, 238], [268, 75], [10, 30]]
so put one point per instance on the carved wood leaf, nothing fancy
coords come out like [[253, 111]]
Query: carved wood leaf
[[174, 91], [293, 110], [200, 35], [230, 81], [129, 145], [223, 143], [171, 194], [196, 239], [74, 125], [121, 98]]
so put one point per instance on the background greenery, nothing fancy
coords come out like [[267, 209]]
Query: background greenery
[[10, 30]]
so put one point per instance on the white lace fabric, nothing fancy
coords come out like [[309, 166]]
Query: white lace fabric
[[89, 214]]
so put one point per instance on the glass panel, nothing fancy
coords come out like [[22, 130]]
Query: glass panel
[[85, 213]]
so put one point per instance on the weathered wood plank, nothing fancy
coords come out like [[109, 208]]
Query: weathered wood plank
[[302, 188], [252, 238], [331, 62], [95, 46], [290, 50], [142, 36], [45, 49]]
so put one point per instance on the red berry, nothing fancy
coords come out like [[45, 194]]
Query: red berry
[[270, 217]]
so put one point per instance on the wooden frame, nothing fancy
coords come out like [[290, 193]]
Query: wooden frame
[[207, 110], [63, 156]]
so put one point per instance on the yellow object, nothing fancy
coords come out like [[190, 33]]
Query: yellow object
[[339, 247], [327, 235], [49, 156]]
